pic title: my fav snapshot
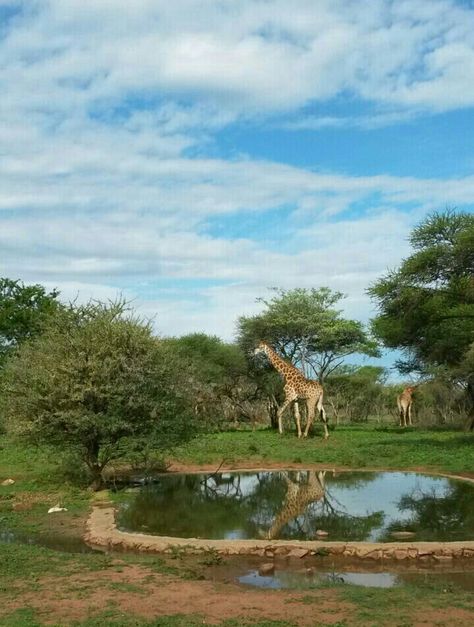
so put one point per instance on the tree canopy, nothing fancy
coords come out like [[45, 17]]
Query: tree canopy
[[94, 379], [426, 306], [23, 311], [305, 326]]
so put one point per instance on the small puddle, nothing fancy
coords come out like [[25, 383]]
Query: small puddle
[[56, 542], [306, 581], [309, 573], [285, 579], [302, 505]]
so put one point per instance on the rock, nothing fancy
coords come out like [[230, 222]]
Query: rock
[[259, 552], [8, 482], [320, 533], [444, 559], [298, 553], [401, 535], [56, 508], [376, 554], [266, 569], [281, 550], [400, 554]]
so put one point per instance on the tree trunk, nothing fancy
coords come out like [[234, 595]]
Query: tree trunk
[[470, 393], [273, 411], [97, 479], [95, 468]]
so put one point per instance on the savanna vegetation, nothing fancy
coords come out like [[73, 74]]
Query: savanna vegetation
[[87, 391]]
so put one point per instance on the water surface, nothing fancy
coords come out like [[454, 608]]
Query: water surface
[[299, 505]]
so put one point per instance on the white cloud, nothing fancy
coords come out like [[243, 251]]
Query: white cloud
[[248, 56], [103, 102]]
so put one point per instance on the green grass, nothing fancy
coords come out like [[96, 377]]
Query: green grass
[[39, 484], [377, 605], [26, 563], [349, 446]]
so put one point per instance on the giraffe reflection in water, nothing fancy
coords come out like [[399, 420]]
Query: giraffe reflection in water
[[299, 494]]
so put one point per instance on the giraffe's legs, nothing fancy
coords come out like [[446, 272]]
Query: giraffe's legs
[[409, 415], [322, 413], [281, 409], [297, 418], [310, 409]]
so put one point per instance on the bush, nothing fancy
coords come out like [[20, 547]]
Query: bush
[[94, 381]]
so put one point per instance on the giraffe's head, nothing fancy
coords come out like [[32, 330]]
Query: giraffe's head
[[261, 348]]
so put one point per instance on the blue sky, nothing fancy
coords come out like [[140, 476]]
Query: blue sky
[[192, 154]]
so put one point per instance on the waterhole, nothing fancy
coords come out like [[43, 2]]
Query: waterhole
[[302, 505]]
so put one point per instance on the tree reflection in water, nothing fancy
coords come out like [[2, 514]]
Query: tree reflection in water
[[433, 516], [288, 505]]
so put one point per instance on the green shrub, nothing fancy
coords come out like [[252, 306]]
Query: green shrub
[[94, 381]]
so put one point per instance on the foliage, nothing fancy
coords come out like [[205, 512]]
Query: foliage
[[357, 392], [23, 311], [94, 380], [426, 307], [437, 516], [305, 327], [224, 391]]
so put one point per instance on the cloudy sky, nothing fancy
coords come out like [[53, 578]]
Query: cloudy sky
[[190, 154]]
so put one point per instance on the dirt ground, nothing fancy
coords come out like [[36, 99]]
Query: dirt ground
[[140, 592], [136, 591]]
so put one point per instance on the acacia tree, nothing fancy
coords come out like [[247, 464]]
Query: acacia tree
[[306, 328], [92, 381], [426, 307], [24, 309]]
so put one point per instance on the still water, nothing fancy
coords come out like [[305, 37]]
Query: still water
[[303, 505]]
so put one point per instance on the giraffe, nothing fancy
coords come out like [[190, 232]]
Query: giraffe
[[297, 386], [404, 403], [298, 496]]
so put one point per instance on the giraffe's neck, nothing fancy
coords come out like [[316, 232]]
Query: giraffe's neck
[[277, 362], [298, 497]]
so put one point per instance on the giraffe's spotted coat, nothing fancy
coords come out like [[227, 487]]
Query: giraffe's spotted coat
[[297, 387]]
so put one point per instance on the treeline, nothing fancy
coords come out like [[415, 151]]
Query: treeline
[[94, 381]]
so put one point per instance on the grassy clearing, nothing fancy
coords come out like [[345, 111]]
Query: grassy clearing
[[378, 606], [39, 484], [350, 446]]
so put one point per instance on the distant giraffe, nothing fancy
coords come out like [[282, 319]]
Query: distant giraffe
[[297, 386], [404, 403], [298, 496]]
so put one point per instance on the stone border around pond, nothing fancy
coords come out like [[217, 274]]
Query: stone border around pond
[[102, 532]]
